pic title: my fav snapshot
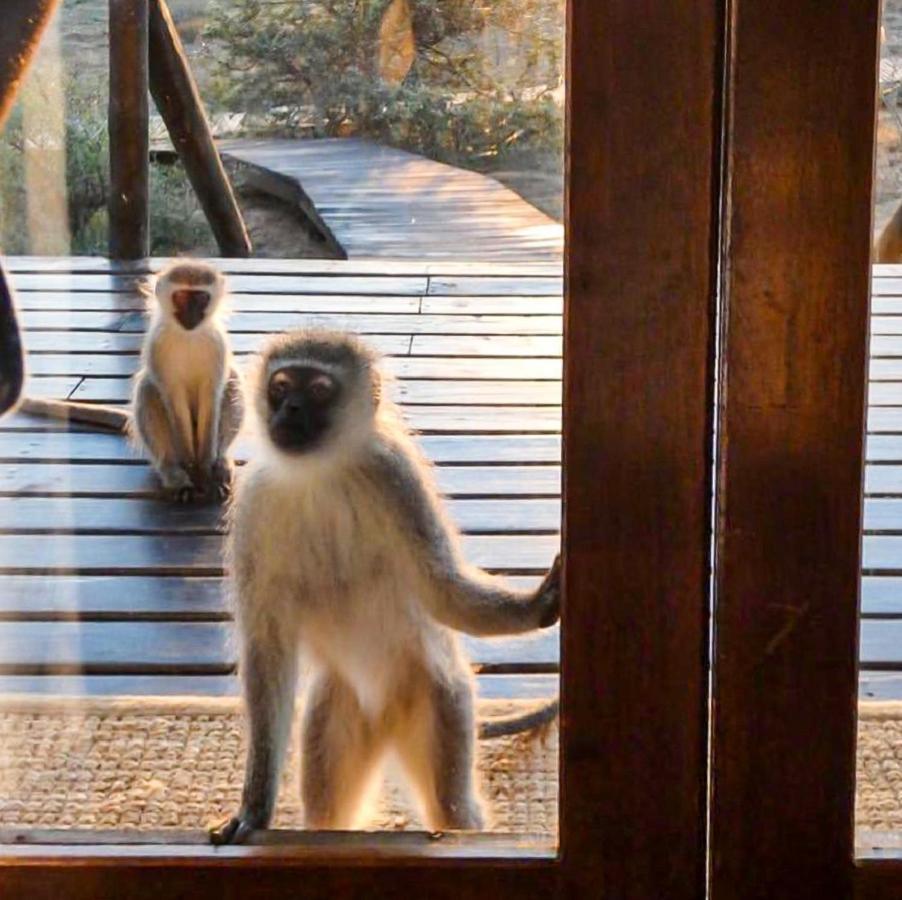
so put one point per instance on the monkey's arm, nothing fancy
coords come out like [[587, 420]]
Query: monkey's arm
[[460, 595], [108, 417]]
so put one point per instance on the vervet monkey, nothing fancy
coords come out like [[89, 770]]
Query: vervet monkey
[[340, 546], [187, 403]]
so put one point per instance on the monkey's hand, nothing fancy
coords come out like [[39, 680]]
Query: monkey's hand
[[548, 595], [233, 831], [178, 485], [220, 479]]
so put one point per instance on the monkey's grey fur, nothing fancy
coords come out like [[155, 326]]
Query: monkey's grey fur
[[187, 401], [342, 549]]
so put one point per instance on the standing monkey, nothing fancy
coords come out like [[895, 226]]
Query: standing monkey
[[339, 545]]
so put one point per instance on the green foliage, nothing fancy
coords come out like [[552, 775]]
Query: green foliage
[[462, 81], [176, 220]]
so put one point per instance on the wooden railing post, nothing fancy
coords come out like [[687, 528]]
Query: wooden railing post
[[129, 235], [179, 103]]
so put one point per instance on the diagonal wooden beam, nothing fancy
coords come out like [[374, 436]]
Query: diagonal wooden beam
[[176, 96]]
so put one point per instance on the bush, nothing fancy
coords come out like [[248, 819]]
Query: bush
[[461, 81], [176, 220]]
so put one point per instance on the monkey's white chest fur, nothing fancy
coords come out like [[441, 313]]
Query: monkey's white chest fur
[[189, 361], [332, 558]]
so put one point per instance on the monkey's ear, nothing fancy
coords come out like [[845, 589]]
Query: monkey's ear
[[146, 287]]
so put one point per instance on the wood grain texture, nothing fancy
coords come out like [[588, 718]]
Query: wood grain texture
[[201, 554], [427, 419], [86, 446], [273, 266], [472, 870], [796, 262], [64, 515], [199, 648], [490, 687], [90, 479], [129, 198], [638, 373]]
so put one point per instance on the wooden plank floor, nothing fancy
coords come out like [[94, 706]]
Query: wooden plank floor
[[106, 589], [99, 577], [378, 201]]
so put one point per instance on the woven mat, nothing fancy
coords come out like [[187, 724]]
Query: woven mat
[[155, 763], [878, 801], [178, 763]]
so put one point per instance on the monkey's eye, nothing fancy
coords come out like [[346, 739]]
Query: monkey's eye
[[321, 389], [279, 385]]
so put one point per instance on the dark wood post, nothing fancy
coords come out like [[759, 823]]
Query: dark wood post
[[179, 103], [129, 134]]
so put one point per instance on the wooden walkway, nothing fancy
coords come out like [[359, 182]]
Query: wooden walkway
[[105, 589], [381, 202]]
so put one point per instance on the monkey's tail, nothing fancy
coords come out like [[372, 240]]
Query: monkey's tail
[[533, 720], [108, 417]]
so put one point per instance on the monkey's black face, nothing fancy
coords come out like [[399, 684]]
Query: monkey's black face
[[302, 402], [190, 306]]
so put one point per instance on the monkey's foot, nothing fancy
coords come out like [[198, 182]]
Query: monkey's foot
[[178, 485], [548, 595], [220, 480], [233, 831]]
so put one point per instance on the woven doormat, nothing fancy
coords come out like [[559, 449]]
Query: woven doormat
[[878, 801], [156, 763], [132, 763]]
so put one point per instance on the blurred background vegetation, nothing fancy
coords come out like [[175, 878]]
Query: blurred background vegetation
[[474, 84]]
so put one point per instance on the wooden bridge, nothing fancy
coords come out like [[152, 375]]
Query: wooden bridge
[[370, 200]]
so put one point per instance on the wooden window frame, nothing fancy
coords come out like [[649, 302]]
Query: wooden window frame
[[799, 162], [643, 157]]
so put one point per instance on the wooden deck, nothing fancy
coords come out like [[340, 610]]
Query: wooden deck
[[105, 589], [378, 201]]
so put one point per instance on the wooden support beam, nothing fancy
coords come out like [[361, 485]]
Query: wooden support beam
[[176, 96], [129, 236]]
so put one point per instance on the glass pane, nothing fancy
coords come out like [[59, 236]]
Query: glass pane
[[879, 790], [398, 167]]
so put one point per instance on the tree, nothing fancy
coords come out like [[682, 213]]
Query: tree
[[461, 81]]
